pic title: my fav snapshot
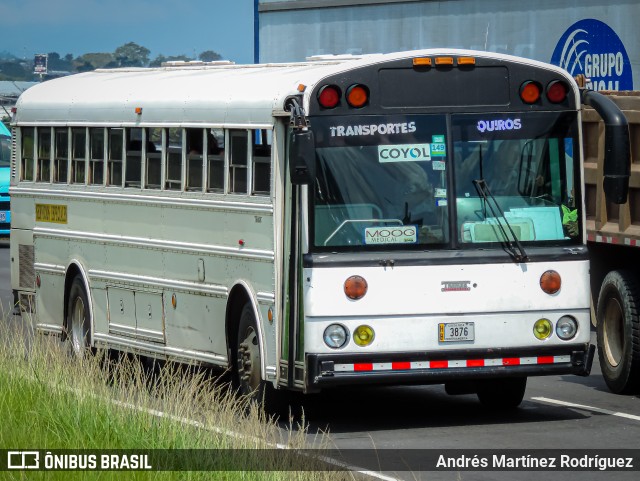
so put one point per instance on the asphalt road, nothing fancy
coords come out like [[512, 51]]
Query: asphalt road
[[425, 417]]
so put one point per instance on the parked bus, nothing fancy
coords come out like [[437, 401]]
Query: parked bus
[[5, 167], [415, 217]]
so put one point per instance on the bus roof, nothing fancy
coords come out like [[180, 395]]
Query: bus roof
[[184, 95]]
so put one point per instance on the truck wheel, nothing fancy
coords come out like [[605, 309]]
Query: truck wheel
[[78, 320], [249, 378], [618, 332], [504, 393]]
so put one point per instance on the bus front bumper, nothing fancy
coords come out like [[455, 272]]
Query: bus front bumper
[[327, 370]]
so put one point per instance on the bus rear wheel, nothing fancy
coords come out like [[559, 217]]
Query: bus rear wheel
[[504, 393], [618, 332], [248, 362], [78, 320]]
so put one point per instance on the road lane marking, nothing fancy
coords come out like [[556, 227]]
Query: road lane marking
[[587, 408]]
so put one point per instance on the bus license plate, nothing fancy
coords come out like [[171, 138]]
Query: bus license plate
[[456, 332]]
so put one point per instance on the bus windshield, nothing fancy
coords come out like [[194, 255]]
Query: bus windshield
[[381, 182], [384, 182], [527, 164]]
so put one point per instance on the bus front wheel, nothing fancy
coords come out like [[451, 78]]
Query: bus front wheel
[[502, 393], [248, 372], [618, 332], [78, 319]]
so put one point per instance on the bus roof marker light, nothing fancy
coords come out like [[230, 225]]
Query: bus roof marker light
[[444, 60], [550, 282], [422, 62], [466, 61], [530, 92], [557, 91], [357, 96], [138, 110], [329, 96]]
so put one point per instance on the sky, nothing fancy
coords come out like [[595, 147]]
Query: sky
[[167, 27]]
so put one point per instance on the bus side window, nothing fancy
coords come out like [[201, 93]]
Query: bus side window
[[61, 157], [134, 158], [115, 158], [44, 155], [173, 180], [261, 159], [154, 158], [27, 162], [78, 155], [194, 149], [238, 161], [96, 164], [215, 142]]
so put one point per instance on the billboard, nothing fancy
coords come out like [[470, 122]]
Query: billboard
[[40, 63]]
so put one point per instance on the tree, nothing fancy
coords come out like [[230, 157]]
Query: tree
[[97, 60], [209, 56], [14, 71], [132, 55]]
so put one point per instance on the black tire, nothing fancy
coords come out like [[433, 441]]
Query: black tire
[[502, 394], [618, 332], [248, 362], [78, 322]]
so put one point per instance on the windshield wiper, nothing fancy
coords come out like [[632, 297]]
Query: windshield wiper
[[513, 246]]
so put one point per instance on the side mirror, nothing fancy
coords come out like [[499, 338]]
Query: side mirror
[[617, 149], [302, 157]]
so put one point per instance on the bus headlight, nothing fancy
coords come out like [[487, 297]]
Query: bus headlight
[[542, 329], [335, 336], [566, 328]]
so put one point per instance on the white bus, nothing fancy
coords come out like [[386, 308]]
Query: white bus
[[415, 217]]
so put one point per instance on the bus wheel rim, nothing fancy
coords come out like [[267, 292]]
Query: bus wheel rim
[[249, 356], [613, 329], [77, 325]]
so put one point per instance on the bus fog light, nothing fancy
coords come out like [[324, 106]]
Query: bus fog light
[[566, 328], [335, 336], [542, 329], [363, 335]]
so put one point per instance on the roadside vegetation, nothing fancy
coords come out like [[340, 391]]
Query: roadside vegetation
[[52, 401]]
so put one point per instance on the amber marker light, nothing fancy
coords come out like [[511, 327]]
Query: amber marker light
[[422, 62], [550, 282], [530, 92], [357, 96], [363, 335], [444, 60], [138, 110], [466, 61], [355, 287]]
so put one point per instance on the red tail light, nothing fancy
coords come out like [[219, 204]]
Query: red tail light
[[557, 91], [329, 96], [357, 96], [530, 92]]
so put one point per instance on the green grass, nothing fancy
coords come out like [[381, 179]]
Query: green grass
[[51, 401]]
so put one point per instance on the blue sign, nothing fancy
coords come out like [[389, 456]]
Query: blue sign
[[591, 48]]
